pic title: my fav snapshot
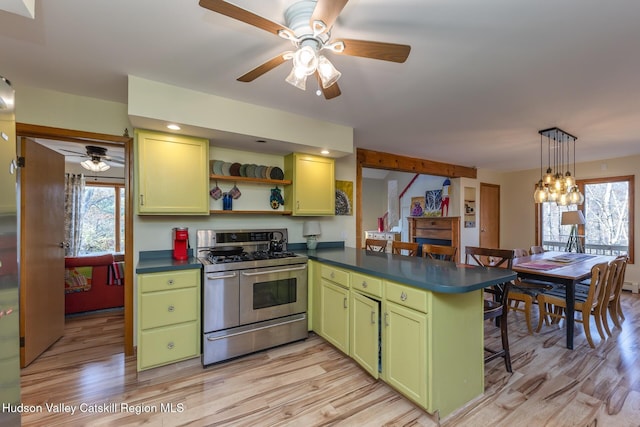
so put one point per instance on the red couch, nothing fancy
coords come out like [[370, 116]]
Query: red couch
[[101, 295]]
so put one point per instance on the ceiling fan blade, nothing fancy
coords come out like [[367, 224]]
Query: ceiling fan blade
[[376, 50], [261, 69], [330, 92], [327, 11], [235, 12]]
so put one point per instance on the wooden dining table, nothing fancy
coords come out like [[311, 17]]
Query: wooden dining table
[[564, 268]]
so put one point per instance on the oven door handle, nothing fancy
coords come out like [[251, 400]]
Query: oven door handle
[[226, 276], [282, 270], [252, 330]]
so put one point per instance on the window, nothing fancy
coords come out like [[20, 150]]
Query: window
[[608, 211], [103, 220]]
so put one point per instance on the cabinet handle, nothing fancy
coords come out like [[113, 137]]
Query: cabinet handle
[[403, 296], [170, 282], [364, 284], [344, 302], [171, 308], [297, 204], [142, 200], [332, 275], [386, 319], [171, 345], [373, 317]]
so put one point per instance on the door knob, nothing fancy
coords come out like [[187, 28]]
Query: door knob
[[64, 245]]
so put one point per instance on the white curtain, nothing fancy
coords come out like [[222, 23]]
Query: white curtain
[[73, 209]]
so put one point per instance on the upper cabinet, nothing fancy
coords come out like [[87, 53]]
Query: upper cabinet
[[172, 174], [312, 192]]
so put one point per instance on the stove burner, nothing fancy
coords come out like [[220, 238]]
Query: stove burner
[[248, 256]]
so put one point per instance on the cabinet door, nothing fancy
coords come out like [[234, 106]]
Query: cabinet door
[[405, 351], [172, 174], [312, 191], [365, 332], [335, 315]]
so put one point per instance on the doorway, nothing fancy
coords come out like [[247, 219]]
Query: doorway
[[87, 138], [489, 215]]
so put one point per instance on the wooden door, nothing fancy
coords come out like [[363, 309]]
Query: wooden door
[[41, 251], [489, 215]]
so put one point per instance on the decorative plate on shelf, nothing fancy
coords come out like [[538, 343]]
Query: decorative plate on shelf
[[234, 170], [250, 170], [217, 167], [243, 170], [276, 173], [225, 168]]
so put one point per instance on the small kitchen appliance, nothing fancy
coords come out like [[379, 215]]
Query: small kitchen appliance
[[254, 292], [180, 243]]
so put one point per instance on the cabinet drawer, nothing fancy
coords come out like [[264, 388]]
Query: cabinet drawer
[[165, 281], [169, 344], [169, 307], [407, 296], [368, 284], [433, 234], [335, 275], [435, 224]]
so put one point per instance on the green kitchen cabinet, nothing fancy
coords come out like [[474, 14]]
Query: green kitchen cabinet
[[172, 174], [365, 332], [312, 191], [405, 351], [334, 300], [168, 307]]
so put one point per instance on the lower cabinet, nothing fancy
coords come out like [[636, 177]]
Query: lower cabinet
[[365, 332], [405, 351], [168, 317], [334, 300]]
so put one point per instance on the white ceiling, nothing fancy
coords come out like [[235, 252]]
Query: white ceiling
[[482, 77]]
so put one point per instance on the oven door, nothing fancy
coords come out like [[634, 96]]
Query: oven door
[[220, 300], [272, 292]]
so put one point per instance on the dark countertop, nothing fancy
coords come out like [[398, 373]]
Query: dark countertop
[[158, 261], [432, 275]]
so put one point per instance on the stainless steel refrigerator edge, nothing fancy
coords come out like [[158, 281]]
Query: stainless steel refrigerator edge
[[9, 317]]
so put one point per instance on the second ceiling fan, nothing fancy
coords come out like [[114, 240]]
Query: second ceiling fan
[[308, 28]]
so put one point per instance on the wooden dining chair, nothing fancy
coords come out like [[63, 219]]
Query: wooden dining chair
[[441, 252], [498, 308], [611, 293], [537, 250], [615, 308], [586, 305], [526, 292], [375, 245], [410, 248]]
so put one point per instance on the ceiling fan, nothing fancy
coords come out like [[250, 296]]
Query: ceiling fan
[[308, 28], [96, 158]]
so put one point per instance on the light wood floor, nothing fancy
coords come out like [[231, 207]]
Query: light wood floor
[[310, 383]]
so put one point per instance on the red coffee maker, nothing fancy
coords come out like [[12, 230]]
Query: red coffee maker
[[180, 243]]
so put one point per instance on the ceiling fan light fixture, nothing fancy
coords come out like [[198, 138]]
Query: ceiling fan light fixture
[[328, 73], [95, 165], [296, 79], [305, 61]]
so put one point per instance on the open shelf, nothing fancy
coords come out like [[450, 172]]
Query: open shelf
[[251, 180]]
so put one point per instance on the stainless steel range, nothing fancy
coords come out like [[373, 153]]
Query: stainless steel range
[[254, 293]]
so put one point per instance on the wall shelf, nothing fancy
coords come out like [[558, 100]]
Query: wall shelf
[[250, 180], [274, 212]]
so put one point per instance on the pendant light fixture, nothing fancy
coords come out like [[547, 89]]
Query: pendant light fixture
[[557, 184]]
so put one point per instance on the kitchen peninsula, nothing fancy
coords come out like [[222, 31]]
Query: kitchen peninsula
[[415, 323]]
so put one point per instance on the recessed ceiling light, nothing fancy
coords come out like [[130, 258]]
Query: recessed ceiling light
[[325, 151], [173, 126]]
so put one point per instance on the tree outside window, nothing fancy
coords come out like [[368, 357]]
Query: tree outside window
[[103, 221]]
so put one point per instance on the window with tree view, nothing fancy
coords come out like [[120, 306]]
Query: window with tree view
[[608, 212], [103, 219]]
